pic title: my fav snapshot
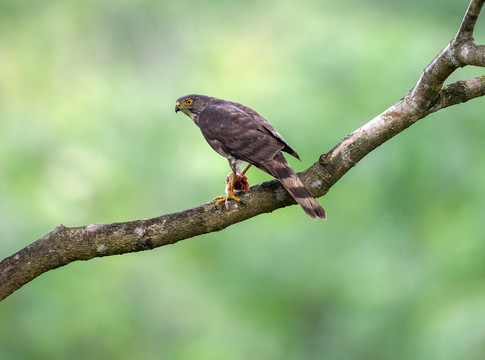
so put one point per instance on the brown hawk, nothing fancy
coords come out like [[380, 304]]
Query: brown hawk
[[240, 134]]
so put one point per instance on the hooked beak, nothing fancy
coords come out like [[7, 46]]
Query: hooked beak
[[177, 107]]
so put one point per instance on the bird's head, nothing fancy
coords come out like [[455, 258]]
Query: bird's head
[[192, 105]]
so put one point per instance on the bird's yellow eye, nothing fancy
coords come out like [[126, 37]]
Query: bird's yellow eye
[[189, 102]]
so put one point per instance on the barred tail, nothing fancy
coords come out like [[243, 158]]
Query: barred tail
[[280, 169]]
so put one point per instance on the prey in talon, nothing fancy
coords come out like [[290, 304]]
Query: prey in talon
[[237, 182]]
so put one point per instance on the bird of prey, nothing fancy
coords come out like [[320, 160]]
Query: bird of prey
[[240, 134]]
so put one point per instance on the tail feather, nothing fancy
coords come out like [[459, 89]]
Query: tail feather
[[280, 169]]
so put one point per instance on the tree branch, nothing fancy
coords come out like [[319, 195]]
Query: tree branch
[[465, 32], [459, 92], [64, 245]]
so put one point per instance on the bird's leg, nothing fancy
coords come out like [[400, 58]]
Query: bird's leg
[[241, 183], [245, 169], [230, 180]]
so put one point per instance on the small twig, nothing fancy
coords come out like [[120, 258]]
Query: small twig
[[465, 32], [460, 92]]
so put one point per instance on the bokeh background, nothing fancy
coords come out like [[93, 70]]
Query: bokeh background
[[88, 134]]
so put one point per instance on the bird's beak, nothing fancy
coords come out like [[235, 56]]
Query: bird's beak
[[177, 107]]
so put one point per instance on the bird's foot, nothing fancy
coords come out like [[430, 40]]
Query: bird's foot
[[234, 181], [225, 199]]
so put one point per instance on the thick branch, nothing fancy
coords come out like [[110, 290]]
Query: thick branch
[[65, 245]]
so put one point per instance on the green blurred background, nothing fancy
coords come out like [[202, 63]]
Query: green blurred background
[[88, 134]]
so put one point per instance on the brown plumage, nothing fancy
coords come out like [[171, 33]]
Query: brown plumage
[[240, 134]]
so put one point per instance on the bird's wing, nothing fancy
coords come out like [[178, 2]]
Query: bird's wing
[[266, 125], [232, 131]]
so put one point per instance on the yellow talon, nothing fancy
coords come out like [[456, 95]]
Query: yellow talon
[[225, 198], [230, 181]]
